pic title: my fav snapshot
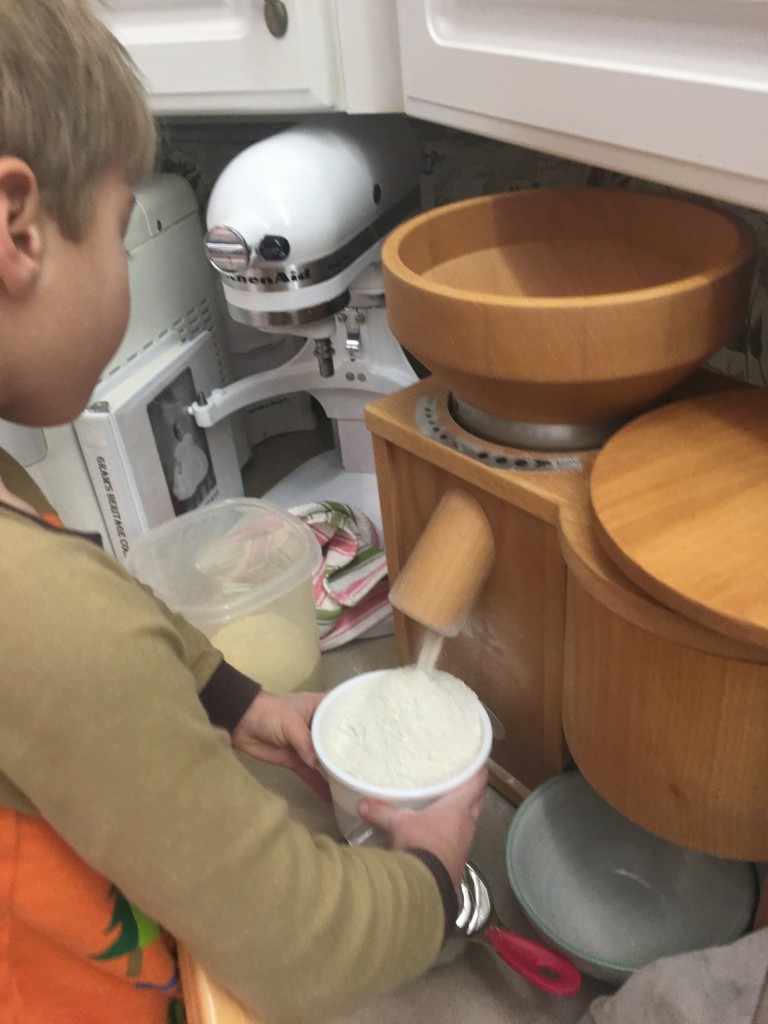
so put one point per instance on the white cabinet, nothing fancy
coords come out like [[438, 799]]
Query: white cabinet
[[229, 56], [669, 90]]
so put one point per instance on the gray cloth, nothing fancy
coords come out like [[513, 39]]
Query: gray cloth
[[722, 985]]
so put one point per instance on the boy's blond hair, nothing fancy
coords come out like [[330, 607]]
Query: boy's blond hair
[[71, 104]]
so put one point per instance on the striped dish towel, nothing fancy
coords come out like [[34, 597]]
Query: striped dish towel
[[351, 585]]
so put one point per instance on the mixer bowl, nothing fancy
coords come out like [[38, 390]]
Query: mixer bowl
[[567, 306]]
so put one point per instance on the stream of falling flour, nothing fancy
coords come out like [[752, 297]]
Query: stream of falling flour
[[429, 654], [431, 646]]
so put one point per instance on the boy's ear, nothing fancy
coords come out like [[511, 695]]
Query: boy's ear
[[21, 240]]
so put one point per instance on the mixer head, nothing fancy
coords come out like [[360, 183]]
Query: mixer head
[[294, 219]]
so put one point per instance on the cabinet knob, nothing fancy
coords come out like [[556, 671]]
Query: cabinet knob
[[276, 17]]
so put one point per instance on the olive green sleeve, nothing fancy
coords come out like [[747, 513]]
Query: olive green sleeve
[[102, 730]]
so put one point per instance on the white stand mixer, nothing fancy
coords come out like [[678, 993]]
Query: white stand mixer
[[295, 226]]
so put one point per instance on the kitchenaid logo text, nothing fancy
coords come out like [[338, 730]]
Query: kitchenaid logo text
[[114, 508], [281, 277]]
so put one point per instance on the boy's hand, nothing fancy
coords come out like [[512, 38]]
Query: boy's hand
[[446, 827], [275, 729]]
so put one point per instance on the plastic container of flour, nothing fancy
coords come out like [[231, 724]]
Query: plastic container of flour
[[341, 706], [242, 571]]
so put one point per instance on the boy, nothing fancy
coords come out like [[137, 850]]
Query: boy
[[120, 793]]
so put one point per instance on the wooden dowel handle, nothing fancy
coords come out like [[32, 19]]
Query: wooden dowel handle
[[443, 575]]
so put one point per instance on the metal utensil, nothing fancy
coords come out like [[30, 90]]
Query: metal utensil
[[477, 922]]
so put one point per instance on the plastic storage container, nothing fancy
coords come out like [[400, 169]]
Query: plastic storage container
[[241, 570]]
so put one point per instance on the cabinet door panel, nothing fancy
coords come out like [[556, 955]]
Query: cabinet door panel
[[675, 90], [219, 56]]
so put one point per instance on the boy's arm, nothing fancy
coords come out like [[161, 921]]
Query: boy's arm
[[226, 694], [157, 801]]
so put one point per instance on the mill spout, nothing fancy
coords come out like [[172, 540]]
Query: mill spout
[[447, 568]]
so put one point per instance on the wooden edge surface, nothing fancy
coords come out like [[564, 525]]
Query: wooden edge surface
[[205, 1001]]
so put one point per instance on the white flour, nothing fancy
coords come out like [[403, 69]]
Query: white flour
[[414, 729], [431, 648]]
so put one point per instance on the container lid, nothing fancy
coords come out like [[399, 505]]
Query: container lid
[[680, 497], [225, 559]]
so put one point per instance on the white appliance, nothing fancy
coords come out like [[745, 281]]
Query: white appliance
[[296, 223], [136, 457]]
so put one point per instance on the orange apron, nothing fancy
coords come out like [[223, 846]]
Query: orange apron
[[73, 950]]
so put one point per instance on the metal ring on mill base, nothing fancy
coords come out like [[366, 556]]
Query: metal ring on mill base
[[542, 437], [443, 429]]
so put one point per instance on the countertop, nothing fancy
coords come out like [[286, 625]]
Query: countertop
[[476, 988]]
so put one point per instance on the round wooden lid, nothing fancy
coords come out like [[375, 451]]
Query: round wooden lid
[[680, 497]]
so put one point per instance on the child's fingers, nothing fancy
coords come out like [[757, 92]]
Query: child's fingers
[[378, 813]]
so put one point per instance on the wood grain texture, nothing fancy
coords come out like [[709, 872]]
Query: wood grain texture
[[667, 718], [567, 305], [680, 497], [590, 564], [205, 1001], [440, 581], [510, 647], [672, 737], [542, 494]]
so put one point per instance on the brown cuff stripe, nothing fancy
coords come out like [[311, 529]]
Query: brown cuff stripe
[[227, 696]]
